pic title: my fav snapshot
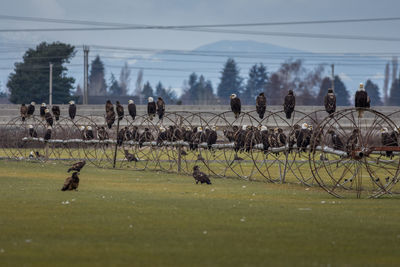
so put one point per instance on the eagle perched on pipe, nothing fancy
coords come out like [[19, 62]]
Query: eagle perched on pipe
[[330, 102], [261, 105], [236, 106], [362, 100], [289, 104]]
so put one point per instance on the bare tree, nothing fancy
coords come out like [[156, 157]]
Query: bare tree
[[139, 86], [386, 84], [125, 79]]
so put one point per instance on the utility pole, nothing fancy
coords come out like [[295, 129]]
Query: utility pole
[[51, 85], [333, 77], [85, 71]]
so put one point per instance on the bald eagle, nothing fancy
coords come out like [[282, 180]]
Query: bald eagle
[[77, 166], [264, 138], [43, 108], [293, 136], [200, 176], [146, 136], [151, 108], [281, 137], [56, 112], [352, 141], [304, 137], [361, 100], [32, 132], [72, 109], [389, 139], [48, 117], [71, 183], [89, 133], [132, 109], [121, 137], [337, 142], [109, 106], [211, 136], [23, 111], [261, 105], [120, 110], [289, 104], [160, 108], [31, 109], [162, 136], [236, 106], [330, 102]]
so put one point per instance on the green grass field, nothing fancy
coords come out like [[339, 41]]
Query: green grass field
[[136, 218]]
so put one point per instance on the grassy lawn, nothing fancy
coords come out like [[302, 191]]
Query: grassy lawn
[[137, 218]]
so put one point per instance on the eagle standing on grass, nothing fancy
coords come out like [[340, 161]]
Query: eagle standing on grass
[[77, 166], [132, 109], [130, 157], [200, 176], [289, 104], [43, 108], [330, 102], [71, 183], [362, 100], [160, 108], [48, 117], [24, 112], [72, 109], [236, 106], [120, 110], [56, 112], [151, 108], [261, 105], [31, 109]]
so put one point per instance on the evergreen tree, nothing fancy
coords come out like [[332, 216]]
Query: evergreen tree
[[274, 91], [30, 79], [386, 84], [231, 82], [198, 91], [147, 91], [323, 90], [373, 92], [394, 99], [97, 82], [342, 95], [256, 83], [115, 89]]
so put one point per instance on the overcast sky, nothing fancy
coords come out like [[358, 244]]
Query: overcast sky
[[186, 12], [183, 12]]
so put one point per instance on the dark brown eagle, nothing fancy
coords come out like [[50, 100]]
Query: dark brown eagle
[[120, 110], [31, 109], [261, 105], [132, 109], [236, 106], [160, 108], [361, 100], [211, 136], [389, 139], [109, 106], [77, 166], [102, 133], [23, 111], [151, 108], [200, 176], [48, 117], [130, 157], [110, 118], [72, 109], [289, 104], [47, 135], [337, 142], [330, 102], [56, 112], [71, 183]]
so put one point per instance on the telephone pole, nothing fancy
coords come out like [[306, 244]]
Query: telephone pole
[[51, 85], [85, 73], [333, 77]]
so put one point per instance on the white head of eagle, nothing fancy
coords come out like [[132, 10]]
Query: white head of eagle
[[150, 99], [130, 102], [233, 96], [361, 88]]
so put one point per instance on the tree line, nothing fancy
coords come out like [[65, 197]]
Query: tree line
[[30, 82]]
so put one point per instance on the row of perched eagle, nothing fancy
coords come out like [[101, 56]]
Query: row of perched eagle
[[361, 100]]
